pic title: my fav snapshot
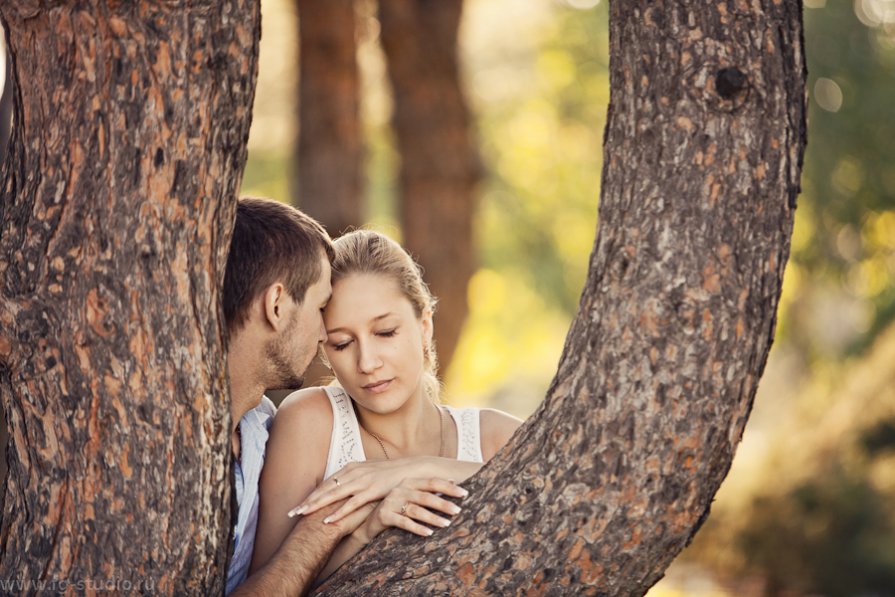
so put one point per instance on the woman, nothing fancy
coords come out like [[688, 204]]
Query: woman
[[379, 346]]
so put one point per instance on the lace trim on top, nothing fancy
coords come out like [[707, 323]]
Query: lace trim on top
[[345, 444], [469, 437]]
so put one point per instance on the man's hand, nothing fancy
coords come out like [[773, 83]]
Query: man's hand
[[306, 549]]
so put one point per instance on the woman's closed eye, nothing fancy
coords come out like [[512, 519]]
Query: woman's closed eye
[[387, 333], [341, 345]]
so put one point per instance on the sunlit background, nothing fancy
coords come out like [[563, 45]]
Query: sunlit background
[[809, 506]]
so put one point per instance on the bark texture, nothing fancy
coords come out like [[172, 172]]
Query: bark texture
[[440, 166], [613, 475], [329, 149], [128, 143]]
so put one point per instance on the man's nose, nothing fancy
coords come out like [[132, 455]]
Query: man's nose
[[321, 333]]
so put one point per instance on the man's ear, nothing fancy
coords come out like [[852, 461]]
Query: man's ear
[[273, 305]]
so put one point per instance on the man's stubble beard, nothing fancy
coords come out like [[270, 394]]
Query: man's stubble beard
[[283, 372]]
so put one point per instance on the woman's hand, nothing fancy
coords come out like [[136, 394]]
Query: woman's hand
[[366, 482], [410, 506]]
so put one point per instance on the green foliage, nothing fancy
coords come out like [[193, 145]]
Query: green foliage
[[845, 227], [819, 517], [543, 148], [541, 138], [832, 535]]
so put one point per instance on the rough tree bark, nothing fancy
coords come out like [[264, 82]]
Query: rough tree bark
[[439, 161], [5, 122], [612, 476], [128, 143], [326, 181]]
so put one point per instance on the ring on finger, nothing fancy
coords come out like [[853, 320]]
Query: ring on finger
[[337, 482], [404, 508]]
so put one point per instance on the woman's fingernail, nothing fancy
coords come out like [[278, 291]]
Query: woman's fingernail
[[463, 492], [296, 511], [327, 520], [455, 509], [429, 532], [444, 523]]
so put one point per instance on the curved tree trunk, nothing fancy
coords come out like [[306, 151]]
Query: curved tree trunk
[[616, 471], [131, 122], [439, 161], [326, 181]]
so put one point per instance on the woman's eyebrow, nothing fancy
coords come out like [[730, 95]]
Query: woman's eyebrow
[[374, 320]]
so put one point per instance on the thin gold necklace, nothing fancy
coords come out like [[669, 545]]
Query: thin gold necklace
[[382, 445]]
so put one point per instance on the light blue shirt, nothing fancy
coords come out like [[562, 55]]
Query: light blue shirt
[[253, 440]]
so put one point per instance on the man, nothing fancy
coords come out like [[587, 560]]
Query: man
[[276, 284]]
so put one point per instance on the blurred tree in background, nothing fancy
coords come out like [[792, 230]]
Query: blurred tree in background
[[328, 151], [439, 166]]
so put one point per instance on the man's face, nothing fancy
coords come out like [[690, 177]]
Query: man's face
[[292, 351]]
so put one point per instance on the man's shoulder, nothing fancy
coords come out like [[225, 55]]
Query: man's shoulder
[[260, 416], [267, 407]]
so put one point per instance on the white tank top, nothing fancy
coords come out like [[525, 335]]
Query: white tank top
[[345, 445]]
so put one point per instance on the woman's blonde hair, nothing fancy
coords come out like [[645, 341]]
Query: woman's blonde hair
[[370, 252]]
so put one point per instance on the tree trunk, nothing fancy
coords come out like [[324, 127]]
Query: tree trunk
[[128, 143], [5, 124], [329, 152], [439, 162], [616, 471]]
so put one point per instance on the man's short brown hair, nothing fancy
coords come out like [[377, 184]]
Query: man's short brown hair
[[271, 242]]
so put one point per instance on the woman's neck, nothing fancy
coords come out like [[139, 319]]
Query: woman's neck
[[416, 429]]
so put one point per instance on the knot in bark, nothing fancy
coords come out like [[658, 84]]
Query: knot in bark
[[730, 81]]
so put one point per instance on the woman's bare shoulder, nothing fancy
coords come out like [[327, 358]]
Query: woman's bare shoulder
[[305, 402], [303, 424]]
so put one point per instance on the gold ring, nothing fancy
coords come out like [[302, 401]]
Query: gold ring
[[337, 482], [404, 509]]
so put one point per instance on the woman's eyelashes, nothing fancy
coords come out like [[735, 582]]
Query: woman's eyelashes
[[343, 344], [337, 346]]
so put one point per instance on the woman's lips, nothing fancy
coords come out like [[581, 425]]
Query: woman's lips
[[378, 387]]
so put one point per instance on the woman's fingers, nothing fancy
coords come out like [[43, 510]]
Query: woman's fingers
[[408, 524], [420, 514], [351, 505], [413, 504], [433, 502], [329, 492], [436, 485], [362, 488]]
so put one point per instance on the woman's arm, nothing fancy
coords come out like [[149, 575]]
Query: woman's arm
[[294, 465], [366, 482]]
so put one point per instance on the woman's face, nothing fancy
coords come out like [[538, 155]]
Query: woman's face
[[375, 341]]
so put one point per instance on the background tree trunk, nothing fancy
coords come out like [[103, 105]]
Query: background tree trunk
[[612, 476], [129, 139], [439, 161], [326, 182]]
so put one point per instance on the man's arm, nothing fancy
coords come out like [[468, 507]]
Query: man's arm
[[296, 564]]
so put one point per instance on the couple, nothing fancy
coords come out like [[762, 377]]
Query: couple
[[344, 462]]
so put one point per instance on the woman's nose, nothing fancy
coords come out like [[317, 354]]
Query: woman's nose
[[367, 359]]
